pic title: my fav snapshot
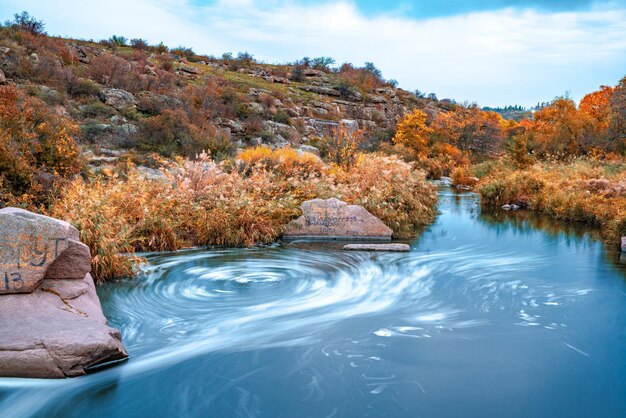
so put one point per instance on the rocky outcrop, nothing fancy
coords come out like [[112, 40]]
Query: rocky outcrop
[[188, 70], [56, 331], [334, 219], [79, 52], [328, 91], [34, 246], [117, 98], [51, 321], [153, 103], [378, 247]]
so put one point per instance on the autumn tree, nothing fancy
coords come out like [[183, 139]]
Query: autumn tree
[[557, 129], [471, 130], [595, 114], [617, 123], [412, 132]]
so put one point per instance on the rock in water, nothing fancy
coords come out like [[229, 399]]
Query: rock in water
[[35, 246], [51, 321], [378, 247], [333, 219], [56, 331]]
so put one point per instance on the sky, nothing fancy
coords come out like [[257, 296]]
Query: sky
[[493, 52]]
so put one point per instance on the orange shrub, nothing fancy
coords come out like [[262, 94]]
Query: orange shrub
[[37, 147]]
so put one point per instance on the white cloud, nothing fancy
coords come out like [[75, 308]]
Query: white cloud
[[499, 57]]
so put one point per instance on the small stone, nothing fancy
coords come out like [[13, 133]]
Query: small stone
[[378, 247], [506, 207], [514, 207]]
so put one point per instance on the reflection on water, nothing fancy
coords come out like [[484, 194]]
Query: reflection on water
[[491, 314]]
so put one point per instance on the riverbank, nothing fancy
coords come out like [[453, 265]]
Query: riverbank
[[241, 202], [581, 190], [366, 333]]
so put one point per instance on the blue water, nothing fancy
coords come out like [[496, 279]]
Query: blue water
[[490, 315]]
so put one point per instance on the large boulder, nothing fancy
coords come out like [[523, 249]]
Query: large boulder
[[624, 244], [334, 219], [3, 79], [117, 98], [51, 322], [35, 246], [153, 103], [57, 331]]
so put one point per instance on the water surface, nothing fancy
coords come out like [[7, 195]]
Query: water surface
[[490, 315]]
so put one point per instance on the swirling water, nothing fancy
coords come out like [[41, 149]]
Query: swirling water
[[489, 315]]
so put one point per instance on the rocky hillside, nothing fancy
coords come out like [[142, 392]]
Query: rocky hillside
[[150, 99]]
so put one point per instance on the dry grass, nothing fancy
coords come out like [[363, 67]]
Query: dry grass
[[582, 190], [244, 202]]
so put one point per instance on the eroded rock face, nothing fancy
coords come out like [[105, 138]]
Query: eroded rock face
[[57, 331], [333, 219], [35, 246]]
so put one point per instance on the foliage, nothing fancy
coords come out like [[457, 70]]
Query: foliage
[[28, 23], [412, 132], [237, 203], [172, 133], [342, 147], [582, 190], [37, 148], [118, 40], [470, 129], [139, 43]]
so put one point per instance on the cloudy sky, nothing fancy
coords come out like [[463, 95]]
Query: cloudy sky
[[494, 52]]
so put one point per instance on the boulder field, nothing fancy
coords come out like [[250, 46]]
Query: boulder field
[[51, 321]]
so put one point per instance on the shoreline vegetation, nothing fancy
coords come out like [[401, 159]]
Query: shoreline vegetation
[[580, 190], [239, 203], [147, 148]]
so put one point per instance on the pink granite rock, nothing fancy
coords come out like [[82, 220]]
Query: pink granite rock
[[333, 219], [34, 246], [56, 331]]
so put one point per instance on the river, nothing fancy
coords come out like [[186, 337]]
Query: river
[[491, 314]]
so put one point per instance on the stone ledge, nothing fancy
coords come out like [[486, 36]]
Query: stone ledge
[[378, 247]]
